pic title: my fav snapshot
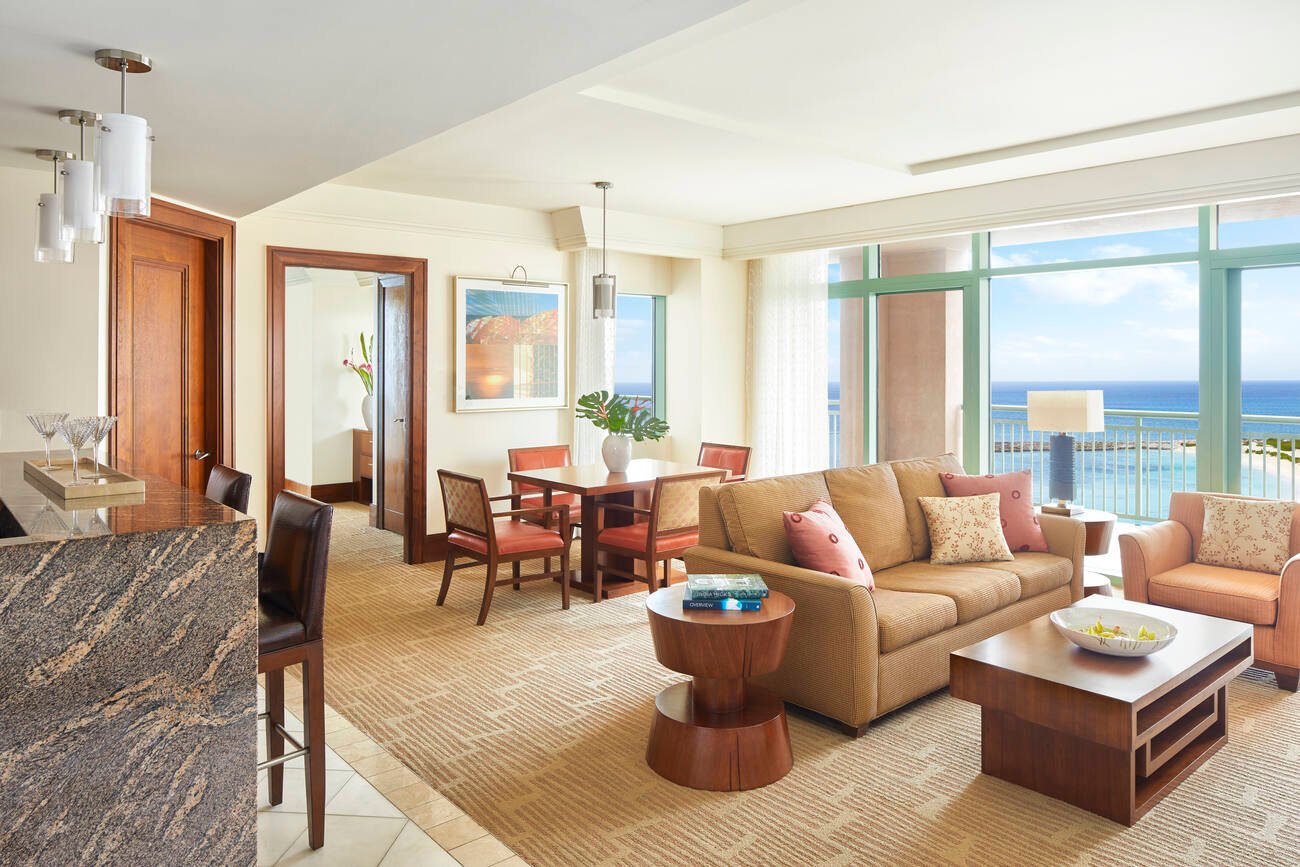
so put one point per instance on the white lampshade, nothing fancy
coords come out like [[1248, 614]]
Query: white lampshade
[[603, 296], [1066, 411], [123, 151], [51, 246], [82, 221]]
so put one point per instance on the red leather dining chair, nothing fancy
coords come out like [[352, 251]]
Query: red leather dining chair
[[229, 487], [538, 458], [474, 531], [671, 525], [290, 620], [733, 459]]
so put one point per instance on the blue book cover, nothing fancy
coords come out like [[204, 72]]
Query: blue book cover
[[726, 604], [726, 587]]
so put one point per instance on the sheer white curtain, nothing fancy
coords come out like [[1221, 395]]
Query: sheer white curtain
[[593, 367], [789, 422]]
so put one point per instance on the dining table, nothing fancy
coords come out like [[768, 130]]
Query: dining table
[[594, 484]]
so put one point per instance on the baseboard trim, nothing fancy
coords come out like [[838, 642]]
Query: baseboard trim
[[435, 548], [337, 492], [297, 487]]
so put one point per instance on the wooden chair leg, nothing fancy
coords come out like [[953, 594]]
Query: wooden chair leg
[[514, 571], [599, 587], [564, 577], [668, 573], [487, 589], [274, 740], [313, 709], [651, 576], [448, 565]]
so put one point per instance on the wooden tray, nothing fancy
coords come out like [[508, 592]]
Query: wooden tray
[[58, 481]]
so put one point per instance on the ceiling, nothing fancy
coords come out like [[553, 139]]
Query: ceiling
[[782, 107], [252, 101]]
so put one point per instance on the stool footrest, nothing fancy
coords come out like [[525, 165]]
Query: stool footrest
[[298, 752]]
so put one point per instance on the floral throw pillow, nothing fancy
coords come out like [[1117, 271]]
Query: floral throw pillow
[[965, 529], [1246, 534]]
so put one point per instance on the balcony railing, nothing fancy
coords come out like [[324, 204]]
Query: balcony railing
[[1141, 457]]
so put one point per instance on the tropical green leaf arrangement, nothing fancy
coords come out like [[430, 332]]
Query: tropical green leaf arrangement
[[621, 414], [366, 369]]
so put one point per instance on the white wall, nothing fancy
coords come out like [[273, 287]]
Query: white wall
[[49, 318], [297, 382], [340, 310]]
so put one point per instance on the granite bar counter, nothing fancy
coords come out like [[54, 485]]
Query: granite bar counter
[[128, 659]]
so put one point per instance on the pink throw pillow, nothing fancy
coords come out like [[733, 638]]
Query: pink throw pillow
[[820, 541], [1019, 523]]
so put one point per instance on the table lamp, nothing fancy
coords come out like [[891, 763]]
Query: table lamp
[[1063, 413]]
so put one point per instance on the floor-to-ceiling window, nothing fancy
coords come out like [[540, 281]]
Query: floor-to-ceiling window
[[639, 350], [1182, 317]]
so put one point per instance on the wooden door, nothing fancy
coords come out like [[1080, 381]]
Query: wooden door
[[394, 401], [167, 342]]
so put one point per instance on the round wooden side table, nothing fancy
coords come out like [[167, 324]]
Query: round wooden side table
[[1098, 527], [717, 732]]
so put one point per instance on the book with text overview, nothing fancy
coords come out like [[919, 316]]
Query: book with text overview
[[726, 587], [723, 604]]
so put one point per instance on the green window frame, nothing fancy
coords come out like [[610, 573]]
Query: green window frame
[[1218, 464]]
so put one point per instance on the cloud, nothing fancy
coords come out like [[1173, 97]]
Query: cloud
[[1175, 286], [1119, 251]]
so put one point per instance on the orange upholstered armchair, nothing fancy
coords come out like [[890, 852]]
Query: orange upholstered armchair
[[1159, 566], [538, 458]]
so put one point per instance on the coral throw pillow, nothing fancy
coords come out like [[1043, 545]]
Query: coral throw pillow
[[965, 529], [1019, 523], [1246, 534], [820, 541]]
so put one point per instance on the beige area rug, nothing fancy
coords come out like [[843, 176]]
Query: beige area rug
[[536, 724]]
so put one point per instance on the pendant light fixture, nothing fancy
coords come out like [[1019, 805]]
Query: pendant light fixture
[[123, 146], [82, 221], [51, 246], [602, 285]]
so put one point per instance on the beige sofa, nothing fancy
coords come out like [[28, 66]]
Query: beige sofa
[[856, 654]]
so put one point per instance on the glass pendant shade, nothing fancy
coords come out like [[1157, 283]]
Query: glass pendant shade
[[603, 296], [51, 246], [82, 221], [123, 151]]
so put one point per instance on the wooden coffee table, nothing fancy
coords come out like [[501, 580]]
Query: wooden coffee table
[[1108, 734], [718, 732]]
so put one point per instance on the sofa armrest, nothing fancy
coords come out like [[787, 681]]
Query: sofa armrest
[[1067, 537], [831, 664], [1147, 551], [1286, 635]]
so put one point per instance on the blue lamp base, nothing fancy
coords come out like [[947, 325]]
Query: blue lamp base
[[1061, 481]]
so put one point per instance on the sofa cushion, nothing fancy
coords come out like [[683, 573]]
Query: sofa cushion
[[965, 529], [751, 512], [920, 478], [1038, 572], [820, 541], [976, 591], [1236, 594], [1246, 534], [905, 618], [1019, 522], [868, 500]]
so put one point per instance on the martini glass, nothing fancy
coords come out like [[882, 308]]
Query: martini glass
[[103, 424], [46, 424], [77, 431]]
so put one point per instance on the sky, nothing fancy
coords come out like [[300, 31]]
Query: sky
[[634, 339], [1137, 323]]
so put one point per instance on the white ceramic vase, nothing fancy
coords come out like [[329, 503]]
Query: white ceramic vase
[[617, 452], [368, 411]]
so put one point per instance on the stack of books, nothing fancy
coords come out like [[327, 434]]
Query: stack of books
[[724, 593]]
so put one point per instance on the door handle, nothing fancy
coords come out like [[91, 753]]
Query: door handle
[[200, 455], [399, 421]]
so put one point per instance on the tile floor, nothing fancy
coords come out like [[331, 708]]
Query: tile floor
[[377, 812]]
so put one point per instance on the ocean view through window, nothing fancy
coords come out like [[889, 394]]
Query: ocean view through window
[[638, 346]]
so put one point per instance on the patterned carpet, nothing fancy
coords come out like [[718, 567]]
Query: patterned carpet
[[535, 725]]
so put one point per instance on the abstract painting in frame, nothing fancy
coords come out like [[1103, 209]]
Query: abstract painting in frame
[[511, 344]]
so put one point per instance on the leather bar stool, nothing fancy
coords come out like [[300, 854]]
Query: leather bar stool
[[290, 615], [229, 487]]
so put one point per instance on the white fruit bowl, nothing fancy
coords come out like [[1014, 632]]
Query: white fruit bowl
[[1072, 621]]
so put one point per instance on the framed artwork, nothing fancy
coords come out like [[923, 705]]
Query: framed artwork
[[511, 344]]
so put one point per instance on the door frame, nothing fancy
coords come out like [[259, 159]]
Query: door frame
[[416, 270], [194, 224]]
